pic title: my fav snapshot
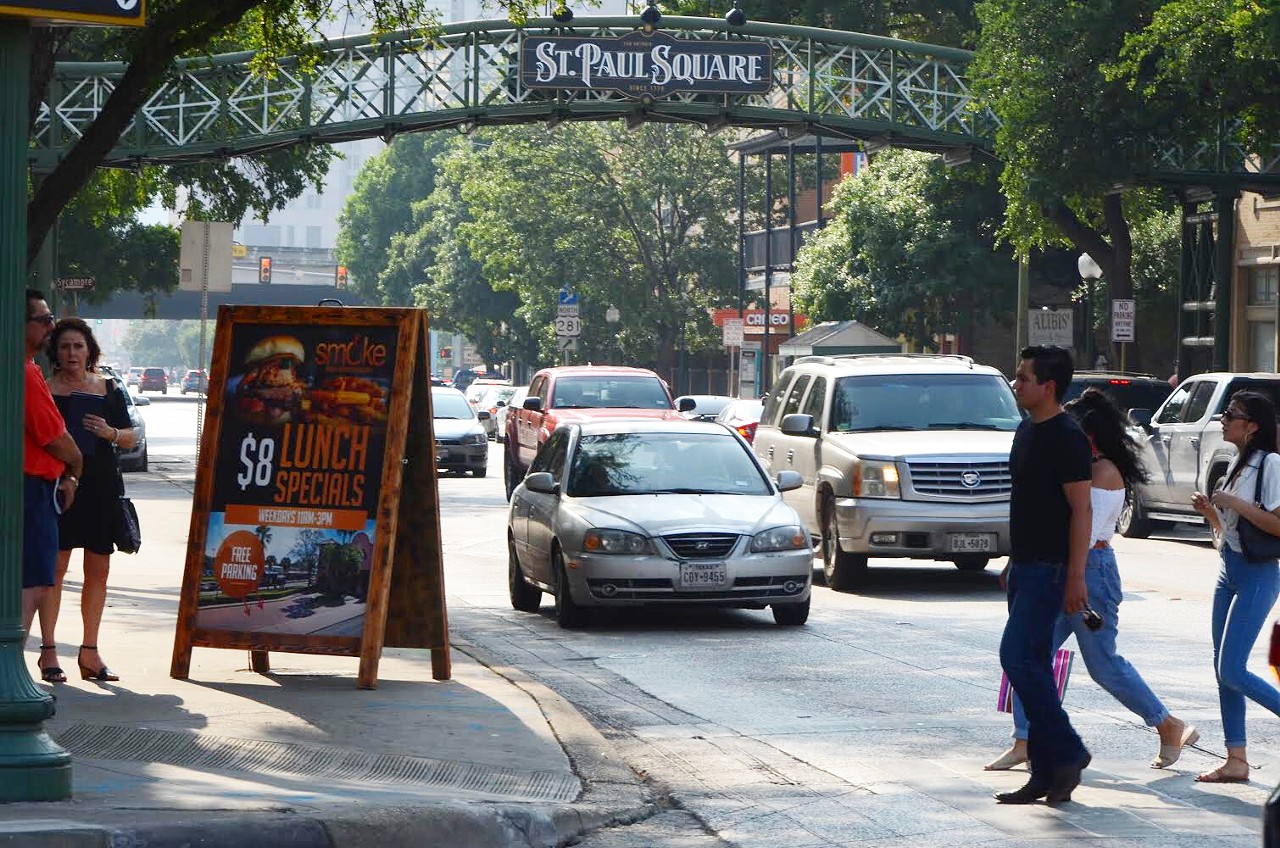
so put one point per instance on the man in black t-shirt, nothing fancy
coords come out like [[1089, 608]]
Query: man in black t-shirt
[[1050, 520]]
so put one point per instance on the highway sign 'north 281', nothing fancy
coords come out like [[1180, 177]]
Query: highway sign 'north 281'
[[108, 12]]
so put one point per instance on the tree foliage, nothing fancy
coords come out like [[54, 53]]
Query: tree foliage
[[950, 22], [910, 249]]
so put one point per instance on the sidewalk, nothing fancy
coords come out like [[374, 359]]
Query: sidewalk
[[300, 757]]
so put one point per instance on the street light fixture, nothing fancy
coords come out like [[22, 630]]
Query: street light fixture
[[1090, 272]]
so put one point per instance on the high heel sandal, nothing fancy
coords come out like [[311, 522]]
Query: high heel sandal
[[50, 673], [102, 675], [1219, 775]]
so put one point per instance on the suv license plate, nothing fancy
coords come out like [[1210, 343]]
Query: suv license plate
[[703, 575], [971, 542]]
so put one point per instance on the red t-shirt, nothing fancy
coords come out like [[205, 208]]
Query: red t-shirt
[[42, 423]]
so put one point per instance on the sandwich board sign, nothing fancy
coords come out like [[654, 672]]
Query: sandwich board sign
[[315, 526]]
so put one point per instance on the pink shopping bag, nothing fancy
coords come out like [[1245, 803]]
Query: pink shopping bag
[[1061, 672]]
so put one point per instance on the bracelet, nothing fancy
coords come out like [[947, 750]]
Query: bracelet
[[115, 438]]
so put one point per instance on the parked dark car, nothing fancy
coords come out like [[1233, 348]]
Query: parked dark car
[[153, 380], [1129, 391], [195, 381]]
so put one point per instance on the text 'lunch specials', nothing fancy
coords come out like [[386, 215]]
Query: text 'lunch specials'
[[317, 465]]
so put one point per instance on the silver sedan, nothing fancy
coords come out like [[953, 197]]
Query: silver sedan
[[623, 513]]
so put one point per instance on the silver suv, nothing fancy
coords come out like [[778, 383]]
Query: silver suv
[[902, 455]]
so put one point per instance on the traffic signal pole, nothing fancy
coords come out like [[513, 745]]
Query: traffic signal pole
[[32, 766]]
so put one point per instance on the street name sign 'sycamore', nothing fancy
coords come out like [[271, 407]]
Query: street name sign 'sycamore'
[[640, 64], [108, 12]]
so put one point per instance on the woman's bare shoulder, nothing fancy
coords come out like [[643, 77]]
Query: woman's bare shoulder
[[1106, 475]]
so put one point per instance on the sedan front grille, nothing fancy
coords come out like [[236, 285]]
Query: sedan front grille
[[960, 479], [701, 545], [448, 441]]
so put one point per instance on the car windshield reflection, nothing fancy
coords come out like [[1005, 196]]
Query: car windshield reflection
[[923, 402], [663, 463]]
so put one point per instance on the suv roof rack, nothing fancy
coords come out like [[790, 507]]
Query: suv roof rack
[[831, 359]]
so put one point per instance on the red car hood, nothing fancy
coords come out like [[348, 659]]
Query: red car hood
[[567, 416]]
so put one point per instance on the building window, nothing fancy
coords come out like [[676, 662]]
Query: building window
[[1263, 281], [313, 200], [289, 236], [1262, 342], [314, 236]]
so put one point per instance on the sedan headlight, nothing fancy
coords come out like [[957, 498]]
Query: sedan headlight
[[615, 542], [475, 439], [875, 478], [790, 538]]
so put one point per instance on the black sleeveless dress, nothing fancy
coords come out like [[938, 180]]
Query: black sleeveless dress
[[90, 521]]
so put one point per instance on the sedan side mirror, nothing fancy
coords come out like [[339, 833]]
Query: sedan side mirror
[[686, 404], [788, 480], [501, 404], [141, 400], [483, 415], [798, 425], [542, 481], [1141, 417], [533, 403]]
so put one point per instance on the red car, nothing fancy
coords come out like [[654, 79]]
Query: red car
[[579, 393]]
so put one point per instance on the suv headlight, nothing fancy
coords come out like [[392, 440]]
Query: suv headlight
[[875, 478], [615, 542], [790, 538], [475, 439]]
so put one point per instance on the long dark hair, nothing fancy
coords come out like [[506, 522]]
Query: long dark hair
[[1261, 411], [79, 326], [1103, 421]]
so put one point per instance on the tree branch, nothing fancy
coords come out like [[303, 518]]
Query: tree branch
[[1084, 237]]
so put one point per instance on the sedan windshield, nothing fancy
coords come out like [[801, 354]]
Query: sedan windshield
[[610, 393], [923, 402], [450, 406], [664, 463]]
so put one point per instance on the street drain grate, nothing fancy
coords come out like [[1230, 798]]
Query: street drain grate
[[195, 750]]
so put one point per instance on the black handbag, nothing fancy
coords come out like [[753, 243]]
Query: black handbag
[[1257, 544], [127, 532]]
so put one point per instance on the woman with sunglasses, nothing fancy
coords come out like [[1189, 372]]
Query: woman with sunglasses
[[1116, 466], [1246, 591]]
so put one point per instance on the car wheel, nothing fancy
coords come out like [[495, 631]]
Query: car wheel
[[842, 570], [972, 562], [509, 475], [524, 597], [1133, 522], [479, 472], [568, 614], [791, 615]]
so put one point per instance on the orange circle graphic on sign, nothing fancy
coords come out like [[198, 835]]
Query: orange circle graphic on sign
[[239, 564]]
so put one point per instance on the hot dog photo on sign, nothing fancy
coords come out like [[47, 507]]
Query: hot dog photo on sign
[[297, 476]]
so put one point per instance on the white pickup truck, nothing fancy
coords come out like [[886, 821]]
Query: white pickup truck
[[1183, 448]]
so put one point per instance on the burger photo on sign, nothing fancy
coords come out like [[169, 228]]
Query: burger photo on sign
[[271, 389]]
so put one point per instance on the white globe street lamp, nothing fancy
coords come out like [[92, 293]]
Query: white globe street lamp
[[1090, 272]]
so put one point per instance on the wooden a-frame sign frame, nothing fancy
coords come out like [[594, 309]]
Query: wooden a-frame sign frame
[[354, 380]]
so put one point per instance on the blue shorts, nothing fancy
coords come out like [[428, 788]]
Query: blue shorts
[[39, 533]]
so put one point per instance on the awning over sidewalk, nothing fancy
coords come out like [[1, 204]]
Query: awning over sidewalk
[[834, 337]]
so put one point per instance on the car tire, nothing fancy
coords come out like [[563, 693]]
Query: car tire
[[1133, 522], [509, 476], [791, 615], [524, 596], [479, 472], [842, 570], [569, 615], [972, 562]]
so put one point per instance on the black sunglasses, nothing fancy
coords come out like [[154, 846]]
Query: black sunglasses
[[48, 318], [1236, 416]]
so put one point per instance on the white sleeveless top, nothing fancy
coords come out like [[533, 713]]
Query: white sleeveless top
[[1107, 504]]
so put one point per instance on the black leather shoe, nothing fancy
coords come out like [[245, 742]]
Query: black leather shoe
[[1028, 794], [1065, 780]]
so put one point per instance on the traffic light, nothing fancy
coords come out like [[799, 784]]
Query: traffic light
[[341, 279], [264, 269], [446, 353]]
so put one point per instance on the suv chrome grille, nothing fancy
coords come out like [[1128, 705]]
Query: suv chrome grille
[[960, 479], [701, 545]]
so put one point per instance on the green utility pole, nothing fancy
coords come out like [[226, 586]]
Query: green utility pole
[[1024, 303], [32, 766]]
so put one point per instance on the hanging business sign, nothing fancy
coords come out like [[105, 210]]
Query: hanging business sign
[[1051, 327], [107, 12], [652, 64], [315, 526]]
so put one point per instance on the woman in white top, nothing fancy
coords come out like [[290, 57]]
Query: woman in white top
[[1115, 466], [1246, 590]]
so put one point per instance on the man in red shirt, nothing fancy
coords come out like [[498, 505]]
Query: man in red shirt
[[51, 465]]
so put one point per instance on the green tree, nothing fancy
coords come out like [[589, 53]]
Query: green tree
[[380, 208], [950, 22], [154, 343], [911, 249]]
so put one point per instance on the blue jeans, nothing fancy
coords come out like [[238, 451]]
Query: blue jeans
[[1035, 601], [1242, 602], [1098, 648]]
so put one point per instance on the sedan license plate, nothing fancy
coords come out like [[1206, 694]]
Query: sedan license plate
[[971, 542], [703, 575]]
